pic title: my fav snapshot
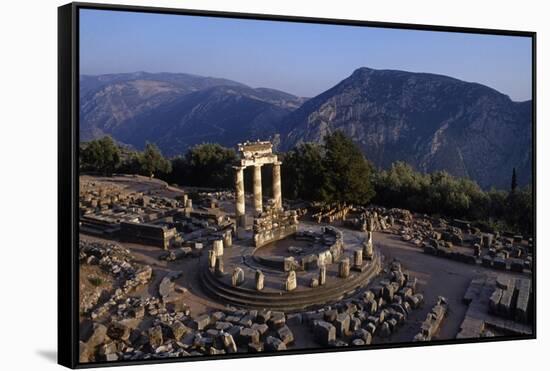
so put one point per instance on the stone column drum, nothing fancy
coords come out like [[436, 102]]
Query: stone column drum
[[239, 197], [368, 247], [290, 283], [277, 184], [237, 278], [217, 247], [212, 259], [258, 188], [344, 267], [259, 280], [322, 275], [358, 258]]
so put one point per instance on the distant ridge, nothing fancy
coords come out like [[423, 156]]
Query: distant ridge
[[432, 122]]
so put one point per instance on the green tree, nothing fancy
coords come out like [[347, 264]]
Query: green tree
[[130, 163], [436, 193], [440, 193], [100, 155], [401, 186], [151, 161], [303, 173], [205, 165], [349, 173]]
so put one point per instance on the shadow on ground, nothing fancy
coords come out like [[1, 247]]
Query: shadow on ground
[[49, 355]]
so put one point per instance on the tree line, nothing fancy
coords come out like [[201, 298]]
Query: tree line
[[333, 172], [104, 156]]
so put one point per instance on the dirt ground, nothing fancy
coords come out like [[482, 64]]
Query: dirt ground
[[92, 277], [137, 183]]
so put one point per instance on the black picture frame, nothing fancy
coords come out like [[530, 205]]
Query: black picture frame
[[68, 181]]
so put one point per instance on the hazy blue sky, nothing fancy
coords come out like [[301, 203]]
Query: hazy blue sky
[[303, 59]]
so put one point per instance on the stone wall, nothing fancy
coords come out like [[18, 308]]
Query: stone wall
[[148, 234], [331, 237], [274, 224]]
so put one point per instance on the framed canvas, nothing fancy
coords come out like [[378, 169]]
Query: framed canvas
[[238, 185]]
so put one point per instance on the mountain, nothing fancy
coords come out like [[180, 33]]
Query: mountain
[[224, 114], [433, 122], [138, 107], [430, 121]]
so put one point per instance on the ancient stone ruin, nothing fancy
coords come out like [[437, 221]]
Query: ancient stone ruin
[[497, 304], [271, 222], [274, 224], [309, 275], [432, 323], [303, 273], [255, 154]]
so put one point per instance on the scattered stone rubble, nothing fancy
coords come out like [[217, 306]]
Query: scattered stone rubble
[[378, 313], [105, 205], [175, 333], [362, 218], [444, 251], [116, 261], [452, 239], [331, 213], [209, 201], [194, 248], [432, 323], [110, 210], [438, 236]]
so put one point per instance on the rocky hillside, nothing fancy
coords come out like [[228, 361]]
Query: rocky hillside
[[224, 115], [433, 122], [178, 110]]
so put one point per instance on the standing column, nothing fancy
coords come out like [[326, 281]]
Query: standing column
[[258, 188], [277, 184], [239, 196]]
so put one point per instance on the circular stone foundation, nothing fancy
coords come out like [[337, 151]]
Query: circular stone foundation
[[276, 260]]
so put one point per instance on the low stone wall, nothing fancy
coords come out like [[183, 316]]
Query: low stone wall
[[148, 234], [506, 264], [265, 237], [433, 321], [117, 262], [448, 253], [378, 312], [331, 237], [273, 225]]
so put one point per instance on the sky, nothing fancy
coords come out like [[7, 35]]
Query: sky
[[298, 58]]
